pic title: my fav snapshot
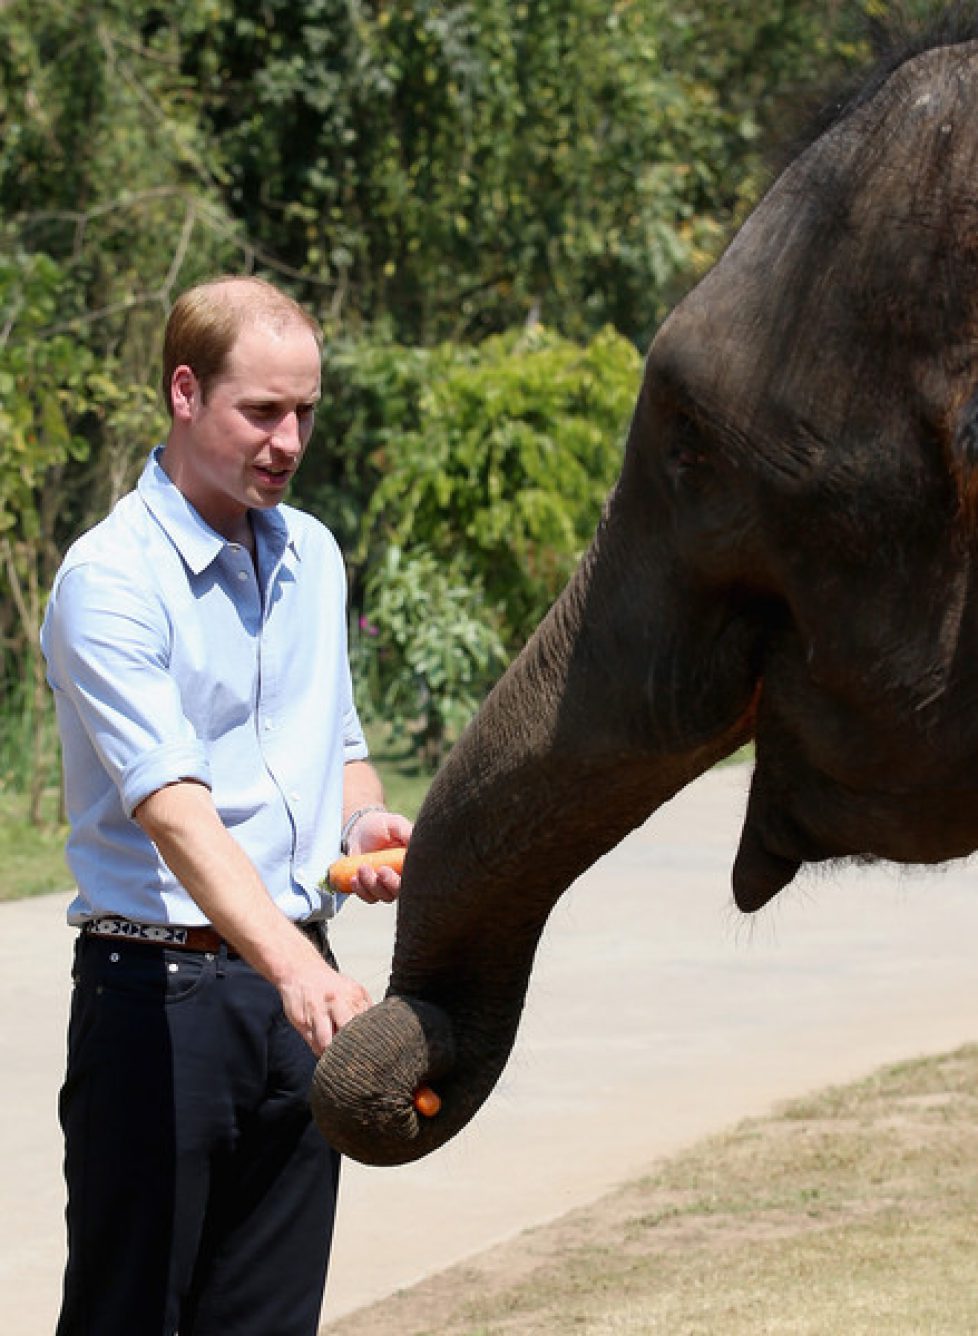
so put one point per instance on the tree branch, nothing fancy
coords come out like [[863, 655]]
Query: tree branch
[[28, 621], [149, 104], [179, 255]]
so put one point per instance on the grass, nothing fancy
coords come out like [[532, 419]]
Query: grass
[[405, 782], [852, 1211], [32, 858]]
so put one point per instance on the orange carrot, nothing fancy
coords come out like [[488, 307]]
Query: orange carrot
[[341, 873], [426, 1101]]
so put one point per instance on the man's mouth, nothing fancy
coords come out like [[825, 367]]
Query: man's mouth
[[273, 477]]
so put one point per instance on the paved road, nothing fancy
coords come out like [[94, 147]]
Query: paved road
[[656, 1015]]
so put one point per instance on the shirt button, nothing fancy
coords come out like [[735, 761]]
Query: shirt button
[[242, 575], [295, 797]]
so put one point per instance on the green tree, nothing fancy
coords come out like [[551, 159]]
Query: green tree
[[517, 443], [419, 172], [371, 395], [38, 377], [491, 481], [426, 660], [455, 167], [106, 208], [104, 171]]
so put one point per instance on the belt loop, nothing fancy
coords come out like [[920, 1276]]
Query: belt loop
[[222, 959]]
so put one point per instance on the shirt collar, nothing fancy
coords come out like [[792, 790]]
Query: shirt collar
[[195, 540]]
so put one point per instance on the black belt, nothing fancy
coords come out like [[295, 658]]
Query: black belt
[[202, 938]]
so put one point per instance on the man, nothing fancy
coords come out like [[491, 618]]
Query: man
[[214, 767]]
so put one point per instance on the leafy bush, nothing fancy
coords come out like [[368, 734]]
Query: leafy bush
[[491, 464], [429, 650], [515, 446]]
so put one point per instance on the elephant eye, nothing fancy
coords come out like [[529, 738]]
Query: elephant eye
[[687, 448]]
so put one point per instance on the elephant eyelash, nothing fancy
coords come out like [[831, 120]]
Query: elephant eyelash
[[687, 449]]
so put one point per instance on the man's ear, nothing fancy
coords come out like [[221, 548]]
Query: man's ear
[[184, 392]]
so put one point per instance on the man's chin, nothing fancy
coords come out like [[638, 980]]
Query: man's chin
[[269, 494]]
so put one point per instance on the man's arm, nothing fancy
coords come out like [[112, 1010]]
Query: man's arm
[[183, 823]]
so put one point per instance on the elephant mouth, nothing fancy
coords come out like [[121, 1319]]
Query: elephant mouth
[[798, 815]]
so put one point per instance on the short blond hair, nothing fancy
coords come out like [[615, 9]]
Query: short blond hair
[[205, 321]]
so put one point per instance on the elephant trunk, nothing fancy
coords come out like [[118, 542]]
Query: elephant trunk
[[576, 745]]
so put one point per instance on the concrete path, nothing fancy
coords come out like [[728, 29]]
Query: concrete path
[[656, 1015]]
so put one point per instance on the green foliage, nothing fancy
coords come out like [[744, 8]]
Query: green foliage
[[26, 718], [38, 379], [105, 207], [516, 444], [405, 781], [101, 165], [371, 393], [31, 853], [428, 651], [423, 174], [454, 167], [492, 464], [104, 173]]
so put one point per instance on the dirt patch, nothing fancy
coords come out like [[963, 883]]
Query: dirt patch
[[852, 1211]]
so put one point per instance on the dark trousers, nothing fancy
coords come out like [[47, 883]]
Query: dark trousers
[[200, 1193]]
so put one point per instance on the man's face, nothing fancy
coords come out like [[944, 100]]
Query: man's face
[[240, 448]]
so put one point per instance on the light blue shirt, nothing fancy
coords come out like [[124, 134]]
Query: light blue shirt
[[170, 658]]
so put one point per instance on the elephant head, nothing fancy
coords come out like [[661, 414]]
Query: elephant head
[[789, 554]]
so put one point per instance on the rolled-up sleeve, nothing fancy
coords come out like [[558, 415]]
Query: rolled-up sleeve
[[354, 742], [107, 647]]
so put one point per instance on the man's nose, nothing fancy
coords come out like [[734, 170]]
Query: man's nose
[[288, 434]]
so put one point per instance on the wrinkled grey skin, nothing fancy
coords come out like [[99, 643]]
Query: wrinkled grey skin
[[789, 554]]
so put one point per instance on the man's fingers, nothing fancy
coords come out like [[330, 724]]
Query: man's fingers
[[377, 885], [318, 1035], [320, 1031], [318, 1019]]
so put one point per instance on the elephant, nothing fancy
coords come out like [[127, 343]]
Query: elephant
[[789, 555]]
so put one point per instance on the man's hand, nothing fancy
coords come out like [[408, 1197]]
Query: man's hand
[[378, 830], [318, 1000]]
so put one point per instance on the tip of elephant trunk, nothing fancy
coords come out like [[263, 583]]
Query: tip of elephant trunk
[[373, 1091]]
